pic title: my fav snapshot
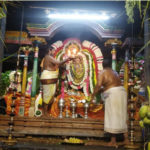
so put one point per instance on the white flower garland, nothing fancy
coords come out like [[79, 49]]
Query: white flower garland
[[57, 44], [12, 76], [90, 71], [85, 90], [97, 52]]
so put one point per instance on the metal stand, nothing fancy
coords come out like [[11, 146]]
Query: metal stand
[[86, 106], [73, 105], [132, 109], [67, 114], [61, 106], [11, 141]]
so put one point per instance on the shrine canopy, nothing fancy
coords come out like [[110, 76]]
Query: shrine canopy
[[49, 29], [97, 21]]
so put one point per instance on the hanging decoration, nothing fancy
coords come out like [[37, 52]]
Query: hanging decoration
[[138, 73]]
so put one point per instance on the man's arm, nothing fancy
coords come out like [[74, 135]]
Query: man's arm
[[98, 85], [53, 60], [41, 65]]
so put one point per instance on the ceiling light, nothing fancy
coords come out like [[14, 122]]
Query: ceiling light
[[77, 16]]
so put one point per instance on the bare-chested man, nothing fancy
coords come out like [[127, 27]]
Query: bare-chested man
[[115, 98], [49, 77]]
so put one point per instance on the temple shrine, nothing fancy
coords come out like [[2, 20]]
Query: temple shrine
[[73, 119]]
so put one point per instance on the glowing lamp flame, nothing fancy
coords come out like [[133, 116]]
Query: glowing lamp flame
[[69, 53], [74, 51]]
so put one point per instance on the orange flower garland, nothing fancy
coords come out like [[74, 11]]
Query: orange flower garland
[[8, 100], [95, 111]]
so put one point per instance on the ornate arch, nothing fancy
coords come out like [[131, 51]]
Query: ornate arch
[[50, 29]]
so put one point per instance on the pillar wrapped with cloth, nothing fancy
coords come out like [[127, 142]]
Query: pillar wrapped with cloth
[[49, 80]]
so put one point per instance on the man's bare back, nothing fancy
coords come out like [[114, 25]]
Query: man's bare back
[[107, 79], [110, 79]]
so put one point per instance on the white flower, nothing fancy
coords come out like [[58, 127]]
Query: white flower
[[90, 71]]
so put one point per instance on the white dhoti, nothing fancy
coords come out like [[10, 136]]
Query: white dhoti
[[115, 120], [49, 88]]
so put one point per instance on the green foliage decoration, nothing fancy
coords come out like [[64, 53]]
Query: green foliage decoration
[[3, 8], [143, 7], [129, 6], [4, 82]]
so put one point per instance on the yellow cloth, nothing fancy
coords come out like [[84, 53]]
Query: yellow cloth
[[49, 89], [49, 74]]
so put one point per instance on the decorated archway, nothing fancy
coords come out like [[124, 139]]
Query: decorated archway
[[49, 29]]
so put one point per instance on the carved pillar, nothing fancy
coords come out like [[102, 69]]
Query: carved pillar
[[26, 51], [113, 43], [114, 52], [36, 41]]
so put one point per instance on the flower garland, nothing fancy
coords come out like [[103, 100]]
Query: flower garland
[[73, 84], [94, 74], [90, 71], [59, 55], [86, 87], [96, 53], [93, 59], [85, 81], [92, 64], [138, 71], [58, 45], [12, 76], [12, 79]]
